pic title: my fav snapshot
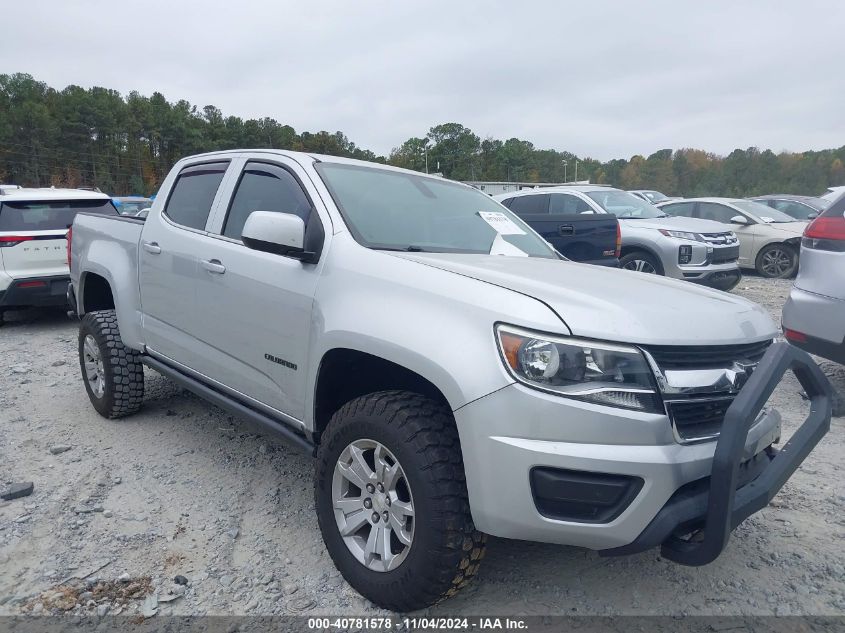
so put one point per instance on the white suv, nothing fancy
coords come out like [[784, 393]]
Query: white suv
[[33, 251]]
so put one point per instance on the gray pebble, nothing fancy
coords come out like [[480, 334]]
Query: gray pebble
[[59, 448]]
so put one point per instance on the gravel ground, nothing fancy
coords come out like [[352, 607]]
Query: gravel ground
[[121, 508]]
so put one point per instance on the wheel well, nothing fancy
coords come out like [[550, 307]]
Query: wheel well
[[793, 242], [626, 250], [346, 374], [96, 294]]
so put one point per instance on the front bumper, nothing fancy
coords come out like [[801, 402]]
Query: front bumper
[[577, 436], [718, 279], [35, 292]]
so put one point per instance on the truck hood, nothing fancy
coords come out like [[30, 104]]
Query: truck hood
[[616, 305], [677, 223]]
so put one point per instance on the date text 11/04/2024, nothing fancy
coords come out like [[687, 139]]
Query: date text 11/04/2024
[[418, 624]]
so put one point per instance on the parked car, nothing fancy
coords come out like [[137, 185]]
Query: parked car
[[798, 207], [33, 255], [652, 242], [833, 193], [568, 223], [769, 239], [453, 374], [814, 314], [131, 205], [651, 196]]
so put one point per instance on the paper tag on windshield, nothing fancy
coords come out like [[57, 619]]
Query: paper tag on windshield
[[501, 247], [501, 223]]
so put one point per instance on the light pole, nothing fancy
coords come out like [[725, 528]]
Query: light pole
[[576, 170], [564, 170], [425, 149]]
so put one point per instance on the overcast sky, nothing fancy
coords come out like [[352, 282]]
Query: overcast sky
[[607, 80]]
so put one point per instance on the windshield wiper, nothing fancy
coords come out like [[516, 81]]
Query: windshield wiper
[[411, 248]]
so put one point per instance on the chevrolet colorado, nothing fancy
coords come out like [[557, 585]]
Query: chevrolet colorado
[[454, 376]]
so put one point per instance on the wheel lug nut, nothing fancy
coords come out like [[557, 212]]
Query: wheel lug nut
[[385, 516], [376, 517], [387, 502], [380, 487], [370, 488], [368, 503]]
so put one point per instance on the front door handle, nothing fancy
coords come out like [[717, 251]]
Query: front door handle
[[152, 247], [214, 266], [566, 229]]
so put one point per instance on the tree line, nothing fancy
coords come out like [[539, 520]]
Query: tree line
[[126, 145]]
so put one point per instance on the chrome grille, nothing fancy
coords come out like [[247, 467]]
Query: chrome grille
[[705, 356], [697, 412], [720, 239]]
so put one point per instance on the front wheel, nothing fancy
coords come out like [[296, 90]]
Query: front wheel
[[392, 501], [112, 373], [777, 261], [642, 262]]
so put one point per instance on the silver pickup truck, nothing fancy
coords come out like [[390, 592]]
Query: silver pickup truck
[[453, 375]]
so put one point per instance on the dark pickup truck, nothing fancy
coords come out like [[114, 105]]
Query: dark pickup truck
[[569, 224]]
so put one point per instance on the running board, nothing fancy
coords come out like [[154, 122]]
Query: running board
[[230, 404]]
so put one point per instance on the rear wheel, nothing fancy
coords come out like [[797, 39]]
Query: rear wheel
[[392, 502], [112, 373], [642, 262], [777, 261]]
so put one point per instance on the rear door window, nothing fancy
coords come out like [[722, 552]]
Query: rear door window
[[716, 212], [683, 209], [53, 215], [265, 187], [193, 194], [530, 205]]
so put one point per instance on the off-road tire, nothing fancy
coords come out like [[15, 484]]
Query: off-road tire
[[122, 369], [447, 549], [643, 256], [785, 248]]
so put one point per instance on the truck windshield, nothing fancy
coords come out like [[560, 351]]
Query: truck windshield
[[392, 210], [625, 205], [50, 215]]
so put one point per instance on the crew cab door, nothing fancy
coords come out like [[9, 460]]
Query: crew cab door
[[168, 261], [255, 329]]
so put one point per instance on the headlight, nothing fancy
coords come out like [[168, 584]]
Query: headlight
[[594, 371], [682, 235]]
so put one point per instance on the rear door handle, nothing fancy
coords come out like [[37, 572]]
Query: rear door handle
[[213, 266], [152, 247], [566, 229]]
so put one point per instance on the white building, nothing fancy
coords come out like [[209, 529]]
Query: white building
[[495, 188]]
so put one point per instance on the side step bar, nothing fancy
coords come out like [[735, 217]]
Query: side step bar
[[231, 405]]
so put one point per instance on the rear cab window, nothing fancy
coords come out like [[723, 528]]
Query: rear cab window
[[48, 215], [530, 204], [193, 193]]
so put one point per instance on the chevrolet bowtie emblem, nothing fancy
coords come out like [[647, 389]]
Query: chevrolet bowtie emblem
[[738, 374]]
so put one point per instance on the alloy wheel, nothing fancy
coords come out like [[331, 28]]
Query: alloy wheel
[[373, 505], [94, 372], [640, 265], [776, 262]]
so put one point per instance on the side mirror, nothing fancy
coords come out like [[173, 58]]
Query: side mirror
[[812, 216], [143, 213], [739, 219], [279, 233]]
